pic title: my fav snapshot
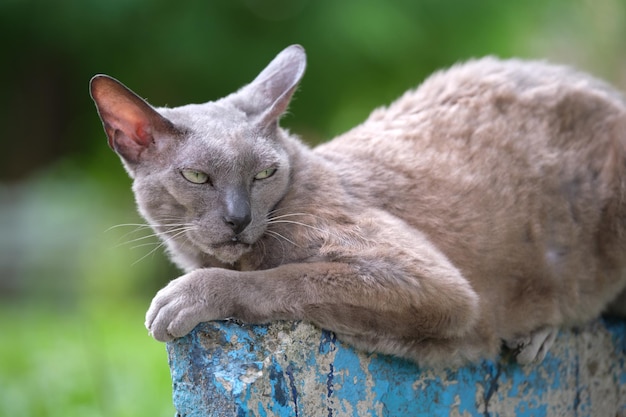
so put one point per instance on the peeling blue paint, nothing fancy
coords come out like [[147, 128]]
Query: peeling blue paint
[[280, 391], [294, 369]]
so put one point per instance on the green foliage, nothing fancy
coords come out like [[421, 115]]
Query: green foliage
[[362, 53], [72, 340], [94, 361]]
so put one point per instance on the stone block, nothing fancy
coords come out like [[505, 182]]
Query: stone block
[[295, 369]]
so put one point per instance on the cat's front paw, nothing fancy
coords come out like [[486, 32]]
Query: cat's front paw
[[176, 309]]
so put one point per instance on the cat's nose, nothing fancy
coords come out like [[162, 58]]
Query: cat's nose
[[238, 223], [237, 213]]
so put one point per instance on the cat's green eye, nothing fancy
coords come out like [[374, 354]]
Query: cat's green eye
[[195, 177], [266, 173]]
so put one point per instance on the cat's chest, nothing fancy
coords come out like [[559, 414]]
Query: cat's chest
[[266, 255]]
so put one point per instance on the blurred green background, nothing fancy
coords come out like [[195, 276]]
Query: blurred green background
[[73, 290]]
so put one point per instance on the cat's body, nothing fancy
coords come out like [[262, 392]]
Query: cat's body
[[486, 205]]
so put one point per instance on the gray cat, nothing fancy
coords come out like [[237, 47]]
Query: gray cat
[[487, 205]]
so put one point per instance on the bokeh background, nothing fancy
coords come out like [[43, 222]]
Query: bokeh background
[[73, 287]]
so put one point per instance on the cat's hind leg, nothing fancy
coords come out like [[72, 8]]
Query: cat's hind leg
[[533, 347]]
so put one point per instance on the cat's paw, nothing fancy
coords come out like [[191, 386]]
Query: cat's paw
[[177, 308], [533, 347]]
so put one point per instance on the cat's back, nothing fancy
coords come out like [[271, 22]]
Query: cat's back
[[520, 161], [482, 126], [457, 104]]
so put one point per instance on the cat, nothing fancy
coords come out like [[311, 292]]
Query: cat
[[485, 207]]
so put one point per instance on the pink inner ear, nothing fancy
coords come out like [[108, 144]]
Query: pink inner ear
[[135, 124], [143, 134], [129, 130], [130, 123]]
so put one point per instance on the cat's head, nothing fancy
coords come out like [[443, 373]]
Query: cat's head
[[206, 176]]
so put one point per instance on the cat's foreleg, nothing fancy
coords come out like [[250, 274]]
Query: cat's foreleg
[[362, 303]]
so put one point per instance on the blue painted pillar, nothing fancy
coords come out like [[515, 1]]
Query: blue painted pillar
[[295, 369]]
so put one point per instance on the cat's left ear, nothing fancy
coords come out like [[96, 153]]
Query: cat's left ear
[[130, 123], [267, 97]]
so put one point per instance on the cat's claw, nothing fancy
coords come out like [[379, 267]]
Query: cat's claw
[[178, 308], [534, 347], [158, 318]]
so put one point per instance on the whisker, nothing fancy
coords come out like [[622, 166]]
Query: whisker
[[301, 210], [290, 208], [261, 245], [271, 216], [277, 235], [303, 225], [138, 228], [161, 244], [128, 242], [289, 215], [142, 226], [141, 245], [152, 235], [137, 225]]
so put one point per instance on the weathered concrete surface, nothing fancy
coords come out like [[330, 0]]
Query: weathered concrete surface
[[294, 369]]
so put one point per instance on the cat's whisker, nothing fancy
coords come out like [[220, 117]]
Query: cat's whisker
[[175, 229], [323, 231], [147, 254], [137, 225], [167, 218], [261, 245], [142, 226], [124, 239], [128, 242], [164, 241], [279, 236], [271, 217], [283, 218], [141, 245], [300, 210], [153, 235], [289, 215], [172, 225]]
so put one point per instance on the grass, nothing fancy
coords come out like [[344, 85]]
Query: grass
[[72, 302], [88, 362]]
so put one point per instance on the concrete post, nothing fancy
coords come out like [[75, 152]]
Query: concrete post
[[295, 369]]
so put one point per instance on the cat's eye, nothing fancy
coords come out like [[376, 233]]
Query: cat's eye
[[193, 176], [266, 173]]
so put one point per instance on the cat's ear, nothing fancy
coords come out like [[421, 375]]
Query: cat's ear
[[129, 122], [267, 97]]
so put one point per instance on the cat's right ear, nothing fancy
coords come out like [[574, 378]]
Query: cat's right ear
[[267, 97], [130, 123]]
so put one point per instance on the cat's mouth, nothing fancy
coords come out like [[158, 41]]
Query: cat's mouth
[[229, 243], [229, 251]]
